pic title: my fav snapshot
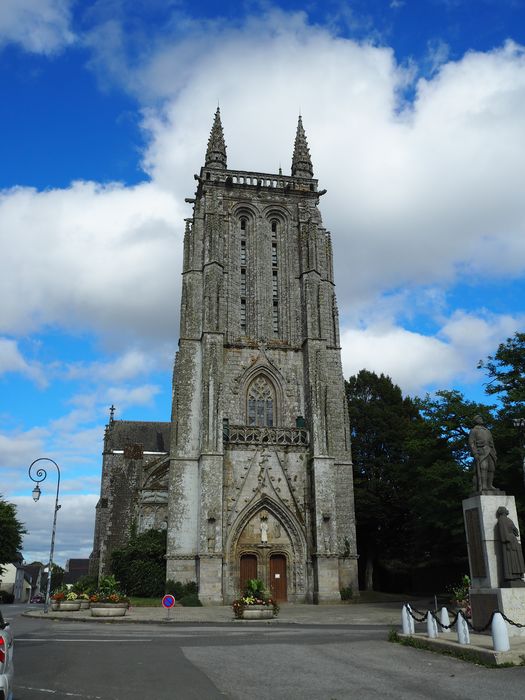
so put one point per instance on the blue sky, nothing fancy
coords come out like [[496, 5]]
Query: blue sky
[[414, 115]]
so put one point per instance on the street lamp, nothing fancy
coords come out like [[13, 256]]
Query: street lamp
[[519, 423], [41, 474]]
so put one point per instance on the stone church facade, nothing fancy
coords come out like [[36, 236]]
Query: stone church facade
[[253, 476]]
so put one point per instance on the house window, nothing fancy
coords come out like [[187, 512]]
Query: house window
[[261, 403]]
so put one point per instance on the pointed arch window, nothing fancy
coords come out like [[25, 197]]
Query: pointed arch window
[[261, 403]]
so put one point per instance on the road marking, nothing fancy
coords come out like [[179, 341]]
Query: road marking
[[61, 692], [69, 639]]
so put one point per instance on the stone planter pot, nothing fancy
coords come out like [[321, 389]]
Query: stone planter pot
[[257, 612], [84, 604], [108, 609], [65, 605]]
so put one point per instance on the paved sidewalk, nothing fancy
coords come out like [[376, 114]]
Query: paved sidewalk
[[344, 614]]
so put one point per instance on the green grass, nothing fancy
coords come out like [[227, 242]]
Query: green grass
[[145, 602], [462, 655]]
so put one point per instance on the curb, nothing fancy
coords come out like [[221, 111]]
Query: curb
[[467, 652]]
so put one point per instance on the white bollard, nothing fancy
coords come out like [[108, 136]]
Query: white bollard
[[500, 635], [462, 630], [432, 630], [404, 620], [410, 619], [444, 619]]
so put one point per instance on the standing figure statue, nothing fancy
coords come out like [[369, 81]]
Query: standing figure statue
[[512, 553], [482, 448]]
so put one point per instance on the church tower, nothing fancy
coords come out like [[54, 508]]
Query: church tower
[[260, 482]]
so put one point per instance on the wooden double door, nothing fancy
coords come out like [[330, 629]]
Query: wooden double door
[[273, 572]]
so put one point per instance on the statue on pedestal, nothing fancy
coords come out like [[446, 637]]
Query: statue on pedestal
[[512, 553], [482, 448]]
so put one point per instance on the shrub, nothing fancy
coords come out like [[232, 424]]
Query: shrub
[[86, 584], [346, 593], [140, 565], [180, 590], [191, 600]]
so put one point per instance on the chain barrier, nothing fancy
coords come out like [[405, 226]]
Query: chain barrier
[[511, 622], [424, 617]]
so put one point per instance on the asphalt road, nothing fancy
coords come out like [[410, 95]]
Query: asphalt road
[[93, 661]]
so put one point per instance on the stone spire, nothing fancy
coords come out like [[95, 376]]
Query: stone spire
[[216, 151], [301, 161]]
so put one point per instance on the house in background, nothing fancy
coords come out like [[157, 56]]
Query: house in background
[[15, 581], [34, 572]]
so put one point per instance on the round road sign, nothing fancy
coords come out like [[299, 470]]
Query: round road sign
[[168, 601]]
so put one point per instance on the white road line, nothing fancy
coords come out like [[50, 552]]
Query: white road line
[[68, 639], [61, 692]]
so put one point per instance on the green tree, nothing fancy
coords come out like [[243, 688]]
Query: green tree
[[506, 373], [140, 566], [408, 485], [11, 533], [451, 417], [377, 421]]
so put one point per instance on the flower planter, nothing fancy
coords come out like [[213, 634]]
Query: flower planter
[[65, 605], [108, 609], [84, 604], [257, 612]]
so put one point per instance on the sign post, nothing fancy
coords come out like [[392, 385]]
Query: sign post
[[167, 603]]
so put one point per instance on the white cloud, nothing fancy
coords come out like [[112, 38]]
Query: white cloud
[[75, 525], [12, 360], [417, 362], [39, 26], [104, 258], [21, 447], [127, 366], [135, 396], [411, 359]]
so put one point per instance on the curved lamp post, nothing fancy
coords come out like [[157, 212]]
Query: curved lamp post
[[40, 473]]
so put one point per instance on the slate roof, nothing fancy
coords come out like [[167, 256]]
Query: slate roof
[[153, 435], [32, 570]]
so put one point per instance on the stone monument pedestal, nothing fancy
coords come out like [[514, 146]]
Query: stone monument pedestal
[[488, 590]]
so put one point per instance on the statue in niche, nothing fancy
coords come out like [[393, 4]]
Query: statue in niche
[[264, 529], [512, 553], [482, 448]]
